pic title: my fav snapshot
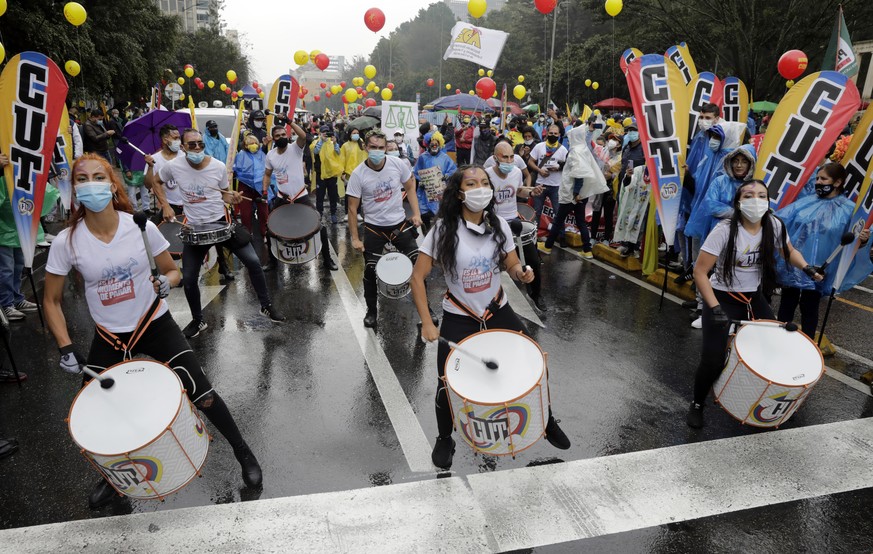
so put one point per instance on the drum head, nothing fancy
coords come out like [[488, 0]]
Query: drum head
[[170, 230], [521, 365], [525, 212], [394, 268], [783, 357], [140, 406], [294, 222]]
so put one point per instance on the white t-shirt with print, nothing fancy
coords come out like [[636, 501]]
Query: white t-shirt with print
[[505, 191], [171, 189], [201, 197], [478, 276], [539, 154], [116, 274], [516, 159], [287, 168], [381, 192], [747, 269]]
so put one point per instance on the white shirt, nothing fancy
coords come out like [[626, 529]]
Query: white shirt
[[171, 189], [381, 192], [287, 167], [516, 159], [477, 277], [747, 269], [539, 155], [116, 275], [505, 190], [201, 197]]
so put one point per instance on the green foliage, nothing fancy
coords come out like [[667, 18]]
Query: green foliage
[[212, 55]]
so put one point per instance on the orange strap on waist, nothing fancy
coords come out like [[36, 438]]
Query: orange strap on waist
[[137, 333], [493, 306]]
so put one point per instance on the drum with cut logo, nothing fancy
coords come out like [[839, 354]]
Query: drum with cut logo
[[142, 434], [393, 273], [504, 411], [295, 228]]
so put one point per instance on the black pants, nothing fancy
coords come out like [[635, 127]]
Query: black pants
[[375, 239], [455, 328], [306, 200], [607, 208], [163, 341], [578, 210], [808, 300], [462, 155], [329, 186], [531, 258], [715, 337]]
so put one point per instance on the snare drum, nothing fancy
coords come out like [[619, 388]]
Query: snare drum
[[171, 231], [502, 411], [296, 230], [142, 434], [526, 212], [769, 374], [205, 234], [528, 233], [393, 272]]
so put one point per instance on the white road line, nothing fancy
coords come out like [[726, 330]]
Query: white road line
[[412, 439], [848, 381], [852, 356], [863, 289], [519, 302], [501, 511], [179, 305]]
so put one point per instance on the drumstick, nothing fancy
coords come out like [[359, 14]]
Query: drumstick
[[790, 326], [105, 382], [490, 364], [222, 190], [140, 219], [127, 142]]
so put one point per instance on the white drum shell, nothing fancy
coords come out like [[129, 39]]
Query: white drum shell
[[393, 273], [296, 253], [528, 233], [767, 392]]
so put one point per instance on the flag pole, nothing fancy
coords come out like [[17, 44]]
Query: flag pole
[[839, 34], [35, 296]]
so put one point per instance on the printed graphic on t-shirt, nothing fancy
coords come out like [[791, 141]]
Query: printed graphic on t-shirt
[[281, 177], [195, 194], [383, 192], [505, 194], [116, 284], [477, 276], [749, 258]]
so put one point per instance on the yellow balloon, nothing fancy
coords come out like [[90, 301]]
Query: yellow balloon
[[223, 87], [181, 80], [587, 82], [387, 94], [448, 86], [490, 73], [313, 54], [613, 7], [789, 83], [481, 73], [2, 51], [2, 11], [189, 72], [336, 89], [370, 71], [301, 57], [471, 93], [261, 94], [477, 8], [519, 91], [210, 83], [521, 78], [71, 66], [240, 93], [75, 13], [371, 85], [231, 76], [376, 89], [181, 97], [351, 95], [494, 95], [359, 81], [595, 85]]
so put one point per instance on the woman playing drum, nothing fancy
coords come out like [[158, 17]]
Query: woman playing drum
[[741, 254], [106, 246], [470, 242]]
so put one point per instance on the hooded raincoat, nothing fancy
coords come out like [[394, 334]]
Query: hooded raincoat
[[717, 202], [428, 167]]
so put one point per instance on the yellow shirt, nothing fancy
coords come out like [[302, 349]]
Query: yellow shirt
[[516, 138], [331, 160], [353, 156]]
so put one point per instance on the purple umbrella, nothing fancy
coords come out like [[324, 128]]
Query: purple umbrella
[[461, 102], [143, 133]]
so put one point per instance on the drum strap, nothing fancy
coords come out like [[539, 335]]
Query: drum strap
[[394, 234], [742, 298], [493, 306], [137, 333]]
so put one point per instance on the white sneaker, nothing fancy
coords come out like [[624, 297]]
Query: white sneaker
[[697, 323], [49, 238], [12, 314], [25, 307]]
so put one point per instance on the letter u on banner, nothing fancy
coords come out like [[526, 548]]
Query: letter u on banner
[[660, 100], [32, 94], [807, 121], [283, 98]]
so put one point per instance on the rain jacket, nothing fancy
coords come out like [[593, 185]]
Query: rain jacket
[[719, 197], [8, 231], [702, 173], [249, 169], [330, 156], [815, 226], [352, 156], [215, 146], [425, 161], [581, 164]]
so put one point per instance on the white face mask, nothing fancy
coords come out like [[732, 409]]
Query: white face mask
[[613, 144], [705, 124], [478, 199], [174, 145], [754, 209], [714, 144]]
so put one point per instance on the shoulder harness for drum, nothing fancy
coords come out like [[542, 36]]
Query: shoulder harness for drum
[[137, 333], [394, 234], [743, 299], [493, 306]]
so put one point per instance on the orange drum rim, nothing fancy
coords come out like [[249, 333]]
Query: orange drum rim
[[771, 381], [527, 392], [182, 400]]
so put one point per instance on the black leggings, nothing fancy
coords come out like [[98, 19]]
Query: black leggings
[[715, 337], [607, 207], [531, 258], [163, 341], [375, 239], [808, 300]]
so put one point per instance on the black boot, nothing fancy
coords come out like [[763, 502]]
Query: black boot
[[328, 264], [101, 495], [443, 451], [555, 435], [251, 470]]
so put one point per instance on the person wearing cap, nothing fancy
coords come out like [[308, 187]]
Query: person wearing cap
[[431, 171], [256, 125], [464, 142], [328, 165], [353, 154], [404, 149], [484, 142], [631, 157], [216, 144]]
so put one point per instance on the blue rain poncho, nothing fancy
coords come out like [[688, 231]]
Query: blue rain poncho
[[427, 161], [716, 203], [215, 146], [815, 226], [701, 162]]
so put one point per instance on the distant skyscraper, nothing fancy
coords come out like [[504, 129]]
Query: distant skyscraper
[[459, 7], [194, 14]]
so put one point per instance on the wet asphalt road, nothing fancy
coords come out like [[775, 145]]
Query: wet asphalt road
[[620, 374]]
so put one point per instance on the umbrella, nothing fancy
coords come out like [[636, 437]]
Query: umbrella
[[614, 104], [535, 108], [764, 106], [144, 133], [461, 102], [373, 111], [249, 92], [513, 108], [364, 122]]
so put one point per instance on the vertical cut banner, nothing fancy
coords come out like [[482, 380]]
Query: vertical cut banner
[[680, 56], [63, 160], [283, 99], [660, 100], [735, 100], [703, 89], [32, 94]]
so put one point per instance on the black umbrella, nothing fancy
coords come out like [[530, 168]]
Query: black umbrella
[[363, 122]]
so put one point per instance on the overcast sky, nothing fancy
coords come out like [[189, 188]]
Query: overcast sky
[[274, 29]]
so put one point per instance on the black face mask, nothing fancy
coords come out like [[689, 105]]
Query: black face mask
[[213, 132], [823, 190], [553, 139], [282, 142]]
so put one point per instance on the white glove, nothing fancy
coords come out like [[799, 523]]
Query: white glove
[[163, 285], [69, 362]]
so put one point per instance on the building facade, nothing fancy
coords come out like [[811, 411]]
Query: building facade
[[194, 14], [459, 8]]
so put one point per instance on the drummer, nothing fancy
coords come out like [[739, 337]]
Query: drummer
[[126, 303], [507, 180], [741, 254], [203, 183], [470, 242]]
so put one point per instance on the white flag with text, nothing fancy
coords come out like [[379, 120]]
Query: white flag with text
[[476, 44]]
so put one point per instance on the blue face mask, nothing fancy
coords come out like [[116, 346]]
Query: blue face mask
[[356, 136], [376, 156], [94, 195], [195, 157], [633, 136], [506, 168]]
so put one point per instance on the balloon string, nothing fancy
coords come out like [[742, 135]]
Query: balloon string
[[79, 48], [613, 56]]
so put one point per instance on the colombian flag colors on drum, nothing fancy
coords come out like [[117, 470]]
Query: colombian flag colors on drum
[[32, 94]]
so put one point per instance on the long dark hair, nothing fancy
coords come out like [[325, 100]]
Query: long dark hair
[[450, 213], [770, 225]]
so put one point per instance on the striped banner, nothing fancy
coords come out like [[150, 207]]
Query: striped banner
[[735, 103], [680, 55], [283, 99]]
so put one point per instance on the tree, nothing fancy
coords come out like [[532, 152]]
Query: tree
[[212, 56]]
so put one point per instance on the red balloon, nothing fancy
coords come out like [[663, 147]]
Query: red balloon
[[187, 65], [255, 84], [328, 94], [374, 19], [228, 91], [792, 64], [345, 100], [323, 85], [233, 95], [360, 90], [322, 61], [390, 86], [430, 82], [200, 86], [485, 88], [457, 91], [302, 94], [545, 6], [343, 84], [316, 98], [370, 102], [196, 80]]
